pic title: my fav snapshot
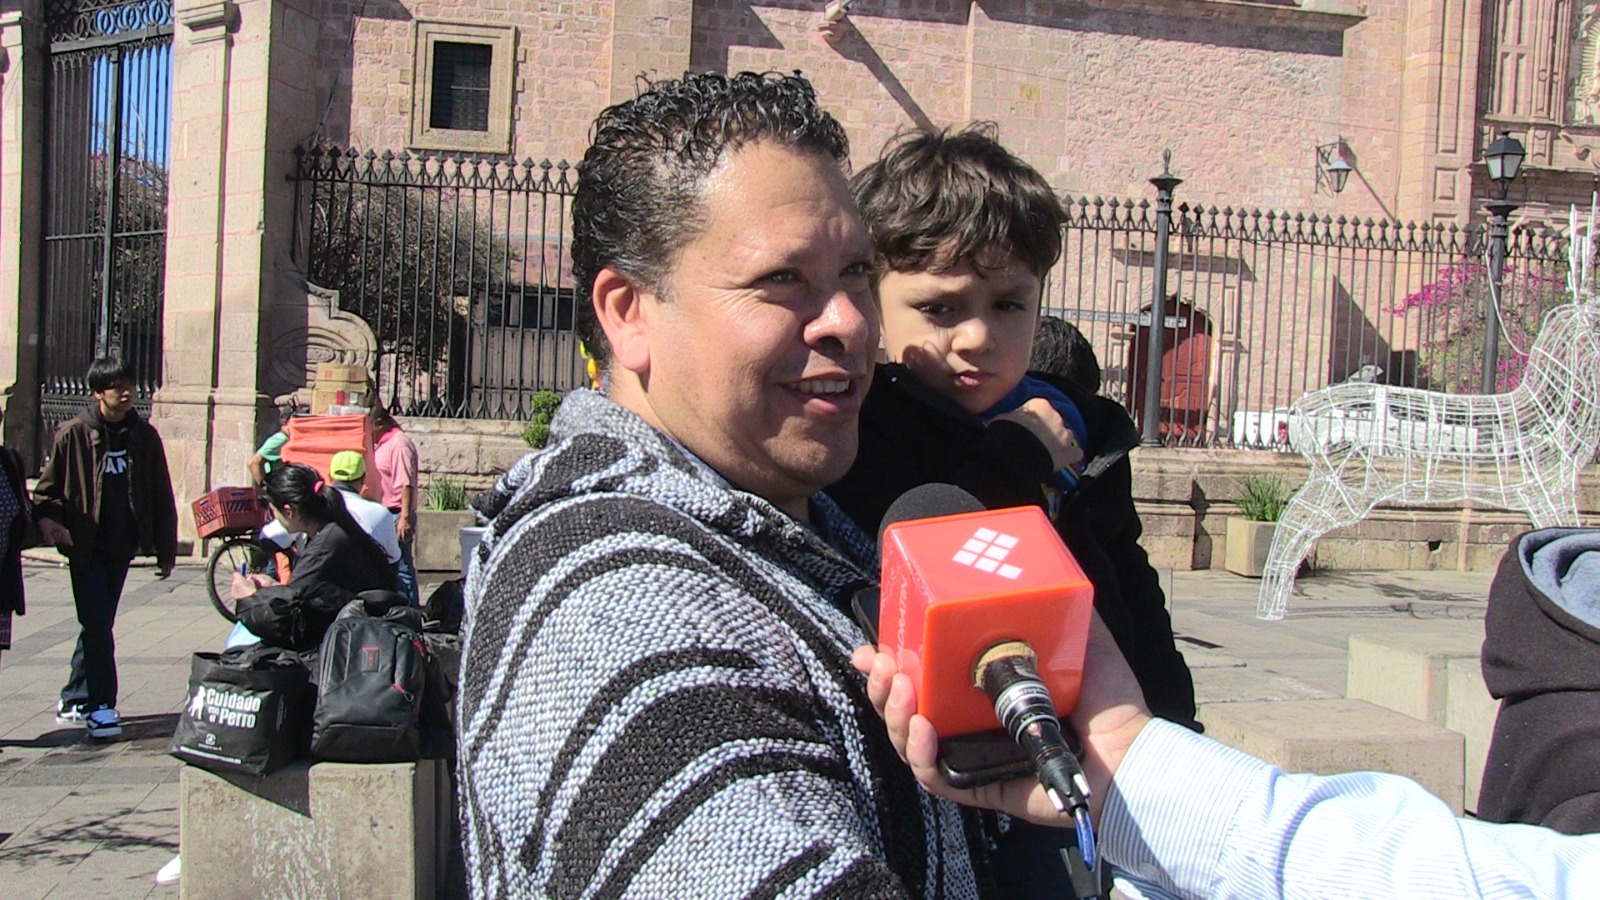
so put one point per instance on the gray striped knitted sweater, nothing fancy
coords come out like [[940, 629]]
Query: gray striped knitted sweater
[[657, 699]]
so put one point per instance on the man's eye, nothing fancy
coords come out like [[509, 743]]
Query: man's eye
[[859, 270], [933, 309], [1012, 306]]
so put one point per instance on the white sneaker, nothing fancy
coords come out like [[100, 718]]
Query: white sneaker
[[69, 715], [103, 723], [171, 872]]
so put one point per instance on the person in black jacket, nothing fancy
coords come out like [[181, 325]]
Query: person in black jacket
[[15, 525], [339, 561], [1541, 660], [966, 233]]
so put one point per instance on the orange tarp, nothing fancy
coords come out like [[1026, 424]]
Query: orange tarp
[[314, 440]]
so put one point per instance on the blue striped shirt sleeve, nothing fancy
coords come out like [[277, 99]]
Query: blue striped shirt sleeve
[[1199, 819]]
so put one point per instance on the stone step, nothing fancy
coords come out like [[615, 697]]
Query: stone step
[[1328, 737], [1435, 677], [1408, 673], [1471, 711]]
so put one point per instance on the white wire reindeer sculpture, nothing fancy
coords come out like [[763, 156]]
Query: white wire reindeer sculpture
[[1370, 444]]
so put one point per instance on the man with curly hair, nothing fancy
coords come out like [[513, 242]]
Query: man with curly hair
[[656, 695]]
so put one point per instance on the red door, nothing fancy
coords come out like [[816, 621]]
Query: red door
[[1185, 373]]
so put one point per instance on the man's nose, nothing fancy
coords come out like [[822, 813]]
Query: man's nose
[[846, 324]]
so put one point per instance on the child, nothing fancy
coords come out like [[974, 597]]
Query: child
[[966, 233], [104, 496], [1060, 349], [270, 454]]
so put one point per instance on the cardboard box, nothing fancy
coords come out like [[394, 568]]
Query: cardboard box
[[338, 375], [323, 400]]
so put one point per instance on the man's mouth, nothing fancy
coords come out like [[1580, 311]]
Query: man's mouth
[[825, 387]]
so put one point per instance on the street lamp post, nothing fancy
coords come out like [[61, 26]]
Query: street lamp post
[[1503, 159], [1165, 184]]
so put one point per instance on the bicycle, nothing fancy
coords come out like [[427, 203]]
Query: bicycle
[[241, 550]]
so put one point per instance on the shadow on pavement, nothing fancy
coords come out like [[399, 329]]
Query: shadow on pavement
[[144, 732], [69, 841]]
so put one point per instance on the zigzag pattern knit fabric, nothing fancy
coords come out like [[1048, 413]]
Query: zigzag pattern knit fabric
[[657, 698]]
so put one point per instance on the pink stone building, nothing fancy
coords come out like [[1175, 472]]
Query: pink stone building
[[1250, 96]]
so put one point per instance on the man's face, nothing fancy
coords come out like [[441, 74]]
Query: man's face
[[115, 400], [967, 334], [760, 338]]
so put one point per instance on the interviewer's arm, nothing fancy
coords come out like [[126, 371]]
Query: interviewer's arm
[[1204, 820]]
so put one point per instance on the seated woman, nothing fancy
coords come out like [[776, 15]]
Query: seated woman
[[339, 560]]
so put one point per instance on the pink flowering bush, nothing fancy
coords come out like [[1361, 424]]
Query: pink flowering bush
[[1451, 314]]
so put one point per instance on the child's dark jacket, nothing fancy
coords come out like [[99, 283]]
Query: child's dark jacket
[[911, 435], [68, 490]]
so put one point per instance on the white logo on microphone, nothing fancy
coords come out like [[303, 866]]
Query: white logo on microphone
[[987, 550]]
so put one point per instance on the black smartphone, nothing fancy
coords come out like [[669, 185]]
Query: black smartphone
[[969, 760], [974, 760]]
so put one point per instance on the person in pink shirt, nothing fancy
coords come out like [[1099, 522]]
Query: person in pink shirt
[[395, 459]]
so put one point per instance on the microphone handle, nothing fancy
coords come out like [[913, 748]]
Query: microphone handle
[[1022, 702]]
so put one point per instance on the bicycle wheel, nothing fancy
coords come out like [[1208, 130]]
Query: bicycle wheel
[[239, 553]]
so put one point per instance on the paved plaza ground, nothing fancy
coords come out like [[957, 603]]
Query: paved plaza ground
[[92, 819]]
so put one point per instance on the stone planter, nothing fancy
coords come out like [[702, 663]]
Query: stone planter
[[1248, 542], [437, 546]]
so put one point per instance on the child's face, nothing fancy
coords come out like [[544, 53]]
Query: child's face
[[115, 400], [966, 335]]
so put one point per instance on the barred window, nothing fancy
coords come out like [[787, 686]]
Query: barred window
[[460, 86], [463, 87]]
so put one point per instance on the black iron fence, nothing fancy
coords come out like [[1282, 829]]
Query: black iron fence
[[107, 127], [461, 269], [459, 266], [1261, 307]]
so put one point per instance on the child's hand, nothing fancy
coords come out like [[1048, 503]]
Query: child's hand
[[1040, 418], [55, 533]]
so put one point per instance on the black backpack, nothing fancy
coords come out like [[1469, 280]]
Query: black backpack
[[442, 612], [370, 682]]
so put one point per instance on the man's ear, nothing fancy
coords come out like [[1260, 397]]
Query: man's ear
[[619, 305]]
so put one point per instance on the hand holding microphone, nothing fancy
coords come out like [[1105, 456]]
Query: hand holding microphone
[[1109, 716], [987, 615]]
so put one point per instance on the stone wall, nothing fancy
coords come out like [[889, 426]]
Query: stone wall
[[1185, 497], [470, 450], [1089, 92]]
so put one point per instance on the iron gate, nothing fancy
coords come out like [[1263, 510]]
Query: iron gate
[[108, 121]]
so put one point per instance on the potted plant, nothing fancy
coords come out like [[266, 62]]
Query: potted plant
[[437, 547], [1250, 533]]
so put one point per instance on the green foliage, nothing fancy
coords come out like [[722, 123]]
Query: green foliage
[[446, 493], [1451, 309], [1264, 498], [537, 431], [545, 403]]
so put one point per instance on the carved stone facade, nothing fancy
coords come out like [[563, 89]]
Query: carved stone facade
[[1089, 91], [1541, 63]]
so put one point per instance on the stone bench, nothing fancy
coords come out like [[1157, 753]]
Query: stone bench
[[317, 830], [1328, 737], [1435, 677]]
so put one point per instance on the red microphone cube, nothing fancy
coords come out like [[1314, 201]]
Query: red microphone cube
[[954, 586]]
